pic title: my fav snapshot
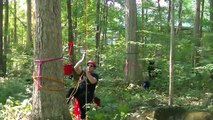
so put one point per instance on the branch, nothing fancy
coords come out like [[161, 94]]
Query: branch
[[19, 19]]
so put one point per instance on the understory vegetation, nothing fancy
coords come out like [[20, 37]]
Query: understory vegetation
[[118, 99]]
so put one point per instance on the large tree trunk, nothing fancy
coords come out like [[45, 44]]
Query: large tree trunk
[[196, 55], [131, 39], [49, 100], [1, 38], [29, 44], [171, 56]]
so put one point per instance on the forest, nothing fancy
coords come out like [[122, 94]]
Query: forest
[[153, 59]]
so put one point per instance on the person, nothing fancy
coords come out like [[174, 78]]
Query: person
[[87, 84], [151, 69], [146, 84]]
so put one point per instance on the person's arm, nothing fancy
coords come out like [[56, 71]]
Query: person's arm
[[78, 64], [92, 79]]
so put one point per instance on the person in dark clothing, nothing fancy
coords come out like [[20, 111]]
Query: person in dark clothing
[[87, 85]]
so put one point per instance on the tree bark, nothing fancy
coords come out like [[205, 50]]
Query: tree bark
[[75, 24], [49, 100], [180, 12], [132, 52], [6, 36], [15, 23], [105, 23], [171, 56], [169, 11], [98, 31], [201, 17], [211, 14], [29, 44], [71, 35], [69, 14], [1, 38], [159, 15], [196, 55], [142, 75]]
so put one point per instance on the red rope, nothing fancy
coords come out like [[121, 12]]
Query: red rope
[[75, 89], [39, 62]]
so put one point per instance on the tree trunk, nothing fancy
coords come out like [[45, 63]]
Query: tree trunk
[[169, 11], [71, 36], [201, 17], [1, 38], [159, 15], [105, 19], [171, 56], [180, 12], [29, 44], [142, 22], [97, 35], [75, 20], [49, 100], [69, 14], [142, 75], [132, 52], [211, 14], [196, 55], [15, 23], [6, 36]]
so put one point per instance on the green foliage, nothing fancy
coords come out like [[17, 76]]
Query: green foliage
[[20, 63], [15, 110], [113, 61], [113, 106], [12, 87], [19, 75]]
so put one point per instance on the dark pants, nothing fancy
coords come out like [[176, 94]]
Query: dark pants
[[81, 97]]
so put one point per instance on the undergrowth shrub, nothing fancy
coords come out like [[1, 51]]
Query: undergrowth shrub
[[15, 110], [12, 87]]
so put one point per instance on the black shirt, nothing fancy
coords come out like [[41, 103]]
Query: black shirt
[[90, 87]]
